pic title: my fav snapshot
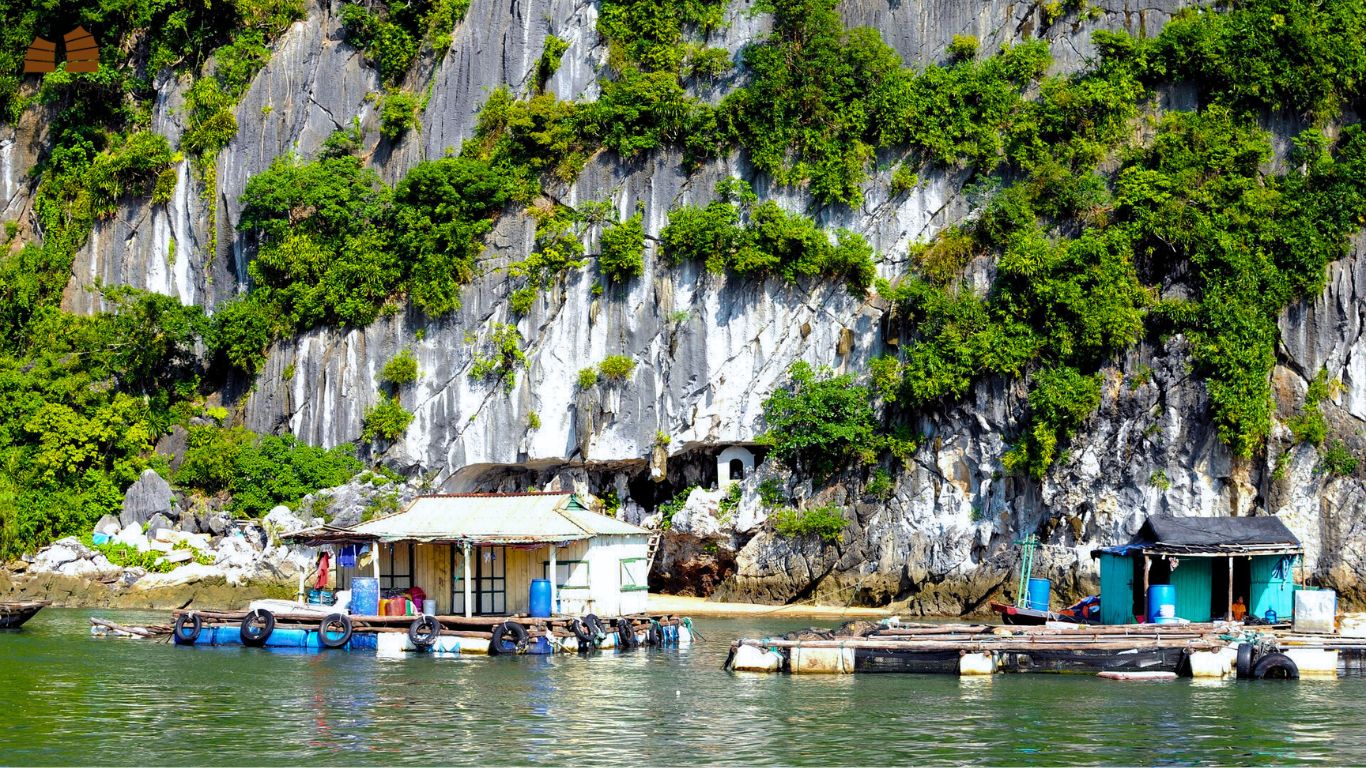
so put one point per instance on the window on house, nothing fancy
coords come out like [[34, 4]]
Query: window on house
[[569, 574], [395, 566], [634, 576]]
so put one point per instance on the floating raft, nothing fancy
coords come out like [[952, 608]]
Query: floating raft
[[395, 635], [979, 649], [1129, 652]]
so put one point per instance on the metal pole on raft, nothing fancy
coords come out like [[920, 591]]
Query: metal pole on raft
[[552, 578], [469, 590]]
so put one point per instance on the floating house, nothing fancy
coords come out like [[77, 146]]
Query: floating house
[[476, 554], [1211, 562]]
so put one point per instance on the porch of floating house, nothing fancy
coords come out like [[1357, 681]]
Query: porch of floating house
[[477, 554], [1217, 561]]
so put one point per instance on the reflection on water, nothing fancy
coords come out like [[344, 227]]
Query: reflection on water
[[74, 699]]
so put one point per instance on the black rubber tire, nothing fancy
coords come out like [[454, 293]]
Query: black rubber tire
[[501, 632], [256, 628], [587, 640], [1246, 653], [424, 631], [593, 624], [654, 636], [184, 637], [324, 636], [1275, 666], [626, 635]]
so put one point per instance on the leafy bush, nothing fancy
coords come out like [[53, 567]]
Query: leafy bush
[[623, 250], [549, 63], [771, 492], [398, 114], [260, 471], [774, 242], [730, 501], [617, 368], [391, 32], [401, 369], [880, 486], [963, 47], [125, 556], [1339, 460], [498, 356], [673, 506], [819, 422], [588, 377], [826, 522], [385, 420]]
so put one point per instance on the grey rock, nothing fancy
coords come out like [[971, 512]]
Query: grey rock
[[157, 522], [108, 525], [282, 520], [149, 495], [59, 554]]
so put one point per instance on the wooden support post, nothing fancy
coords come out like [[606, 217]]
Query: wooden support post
[[469, 588], [374, 562], [1228, 616], [553, 547]]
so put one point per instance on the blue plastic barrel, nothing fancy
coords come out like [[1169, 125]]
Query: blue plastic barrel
[[540, 598], [1162, 604], [364, 596], [1040, 590]]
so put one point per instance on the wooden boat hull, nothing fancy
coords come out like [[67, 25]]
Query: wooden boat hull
[[13, 615]]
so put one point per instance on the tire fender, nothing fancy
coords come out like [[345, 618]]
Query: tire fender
[[1275, 666], [325, 627], [186, 635], [424, 631], [256, 627]]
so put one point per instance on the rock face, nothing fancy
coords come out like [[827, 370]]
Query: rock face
[[150, 495], [709, 349]]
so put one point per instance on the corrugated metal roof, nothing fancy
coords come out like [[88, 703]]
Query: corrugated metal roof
[[504, 518]]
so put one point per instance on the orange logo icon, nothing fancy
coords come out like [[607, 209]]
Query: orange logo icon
[[82, 54]]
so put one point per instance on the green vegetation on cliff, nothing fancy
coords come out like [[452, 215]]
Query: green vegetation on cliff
[[1100, 219]]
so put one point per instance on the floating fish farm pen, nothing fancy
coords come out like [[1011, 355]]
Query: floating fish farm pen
[[500, 573], [1145, 651], [1202, 597]]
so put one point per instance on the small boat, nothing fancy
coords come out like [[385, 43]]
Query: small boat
[[1018, 616], [13, 615]]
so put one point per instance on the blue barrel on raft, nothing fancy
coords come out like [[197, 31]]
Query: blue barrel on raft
[[1038, 594], [540, 598], [364, 596], [1162, 604]]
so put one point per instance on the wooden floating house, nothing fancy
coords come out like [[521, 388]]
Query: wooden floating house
[[1210, 562], [479, 560], [476, 554]]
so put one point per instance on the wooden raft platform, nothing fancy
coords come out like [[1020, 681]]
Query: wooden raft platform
[[457, 626], [978, 649]]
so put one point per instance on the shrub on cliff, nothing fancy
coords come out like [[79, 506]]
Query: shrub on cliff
[[819, 422]]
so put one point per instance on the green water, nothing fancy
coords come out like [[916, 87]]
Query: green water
[[70, 698]]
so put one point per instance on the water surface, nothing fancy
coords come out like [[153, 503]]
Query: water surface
[[73, 699]]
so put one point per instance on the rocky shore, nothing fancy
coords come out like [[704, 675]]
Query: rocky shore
[[189, 554]]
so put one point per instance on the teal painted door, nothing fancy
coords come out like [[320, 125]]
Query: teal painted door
[[1272, 586], [1192, 579], [1116, 589]]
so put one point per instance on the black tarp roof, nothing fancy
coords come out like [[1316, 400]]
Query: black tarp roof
[[1168, 534]]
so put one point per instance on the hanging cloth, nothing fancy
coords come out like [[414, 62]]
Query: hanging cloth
[[323, 560], [346, 557]]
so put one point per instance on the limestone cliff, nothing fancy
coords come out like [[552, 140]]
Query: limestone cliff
[[710, 349]]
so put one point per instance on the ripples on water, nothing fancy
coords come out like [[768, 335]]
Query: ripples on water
[[73, 699]]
